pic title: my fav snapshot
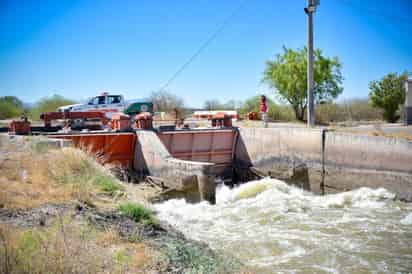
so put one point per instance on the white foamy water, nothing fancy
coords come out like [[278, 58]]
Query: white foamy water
[[276, 228]]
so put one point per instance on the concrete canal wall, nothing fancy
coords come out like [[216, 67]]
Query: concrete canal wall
[[353, 160], [343, 161]]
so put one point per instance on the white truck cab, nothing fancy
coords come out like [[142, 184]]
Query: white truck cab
[[106, 100], [109, 103]]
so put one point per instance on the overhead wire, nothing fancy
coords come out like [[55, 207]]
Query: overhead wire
[[204, 45]]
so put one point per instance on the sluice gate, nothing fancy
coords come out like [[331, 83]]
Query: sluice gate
[[211, 146]]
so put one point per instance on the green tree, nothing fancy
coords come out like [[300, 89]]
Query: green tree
[[48, 104], [10, 107], [287, 74], [388, 93]]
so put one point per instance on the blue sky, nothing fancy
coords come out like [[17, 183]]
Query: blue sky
[[79, 48]]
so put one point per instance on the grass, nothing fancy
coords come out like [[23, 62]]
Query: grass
[[36, 174], [138, 213], [69, 247], [58, 249], [107, 184]]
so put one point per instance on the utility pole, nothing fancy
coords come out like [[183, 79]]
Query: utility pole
[[310, 104]]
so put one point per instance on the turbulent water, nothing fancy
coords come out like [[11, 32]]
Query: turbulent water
[[273, 228]]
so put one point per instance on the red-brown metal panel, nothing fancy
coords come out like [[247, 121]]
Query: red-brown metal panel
[[116, 149], [215, 146]]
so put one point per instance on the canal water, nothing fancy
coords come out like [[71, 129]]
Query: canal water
[[276, 228]]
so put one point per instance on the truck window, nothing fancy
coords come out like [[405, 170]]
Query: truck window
[[99, 100], [113, 99]]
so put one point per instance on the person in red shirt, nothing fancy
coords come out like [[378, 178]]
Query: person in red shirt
[[264, 110]]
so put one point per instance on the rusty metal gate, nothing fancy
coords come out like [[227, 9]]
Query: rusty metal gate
[[215, 146]]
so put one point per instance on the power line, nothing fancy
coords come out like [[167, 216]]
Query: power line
[[204, 45]]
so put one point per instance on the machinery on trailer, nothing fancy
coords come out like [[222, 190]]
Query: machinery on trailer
[[97, 109]]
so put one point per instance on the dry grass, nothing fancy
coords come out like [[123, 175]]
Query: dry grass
[[35, 176], [25, 183], [70, 247], [397, 135]]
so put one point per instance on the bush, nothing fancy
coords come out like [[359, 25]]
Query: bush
[[10, 107], [276, 112], [361, 110], [352, 110], [388, 93], [281, 113], [48, 104], [253, 105], [137, 212]]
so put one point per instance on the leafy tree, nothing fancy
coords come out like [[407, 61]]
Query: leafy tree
[[8, 110], [48, 104], [13, 100], [287, 74], [388, 93], [10, 107]]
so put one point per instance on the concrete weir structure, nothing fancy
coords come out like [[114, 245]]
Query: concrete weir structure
[[189, 160]]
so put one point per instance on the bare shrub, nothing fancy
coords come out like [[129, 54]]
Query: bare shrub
[[349, 110]]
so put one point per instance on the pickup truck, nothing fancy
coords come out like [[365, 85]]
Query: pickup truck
[[111, 103]]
